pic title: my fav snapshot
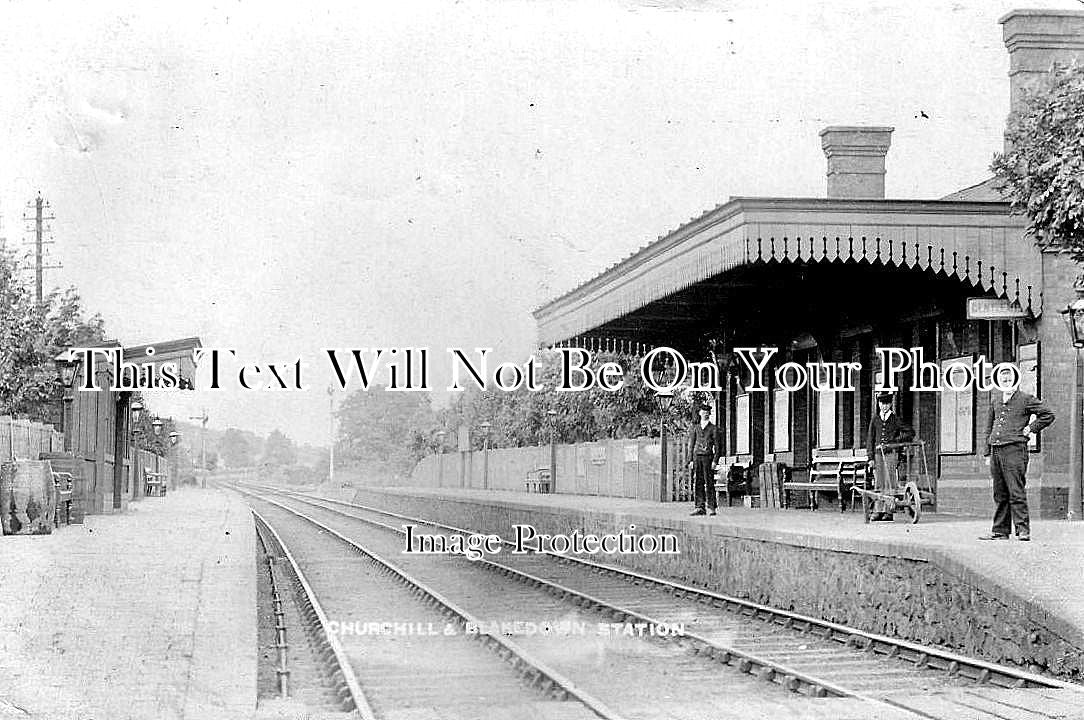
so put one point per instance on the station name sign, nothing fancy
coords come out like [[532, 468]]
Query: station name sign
[[993, 309]]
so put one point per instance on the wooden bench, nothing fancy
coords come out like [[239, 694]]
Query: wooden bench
[[832, 472], [155, 483], [64, 485], [538, 481]]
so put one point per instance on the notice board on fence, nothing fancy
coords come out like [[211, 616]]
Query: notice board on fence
[[957, 408]]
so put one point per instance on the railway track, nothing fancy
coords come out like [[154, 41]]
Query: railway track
[[418, 668], [881, 676], [307, 664]]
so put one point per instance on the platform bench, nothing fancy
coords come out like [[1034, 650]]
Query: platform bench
[[831, 473], [538, 481], [155, 483]]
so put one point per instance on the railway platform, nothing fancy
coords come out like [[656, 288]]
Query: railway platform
[[1010, 602], [149, 613]]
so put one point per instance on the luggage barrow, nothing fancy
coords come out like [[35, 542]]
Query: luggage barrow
[[913, 481]]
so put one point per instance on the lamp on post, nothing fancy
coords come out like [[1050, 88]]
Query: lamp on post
[[664, 398], [174, 438], [156, 425], [65, 371], [137, 412], [65, 368], [441, 434], [551, 415], [486, 427], [1074, 316]]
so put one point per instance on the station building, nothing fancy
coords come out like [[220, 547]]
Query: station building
[[99, 448], [834, 278]]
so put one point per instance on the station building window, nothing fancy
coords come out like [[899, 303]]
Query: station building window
[[826, 419], [741, 424], [780, 421], [957, 409]]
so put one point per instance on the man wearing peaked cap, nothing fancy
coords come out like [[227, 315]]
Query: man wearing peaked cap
[[703, 457], [1013, 418], [885, 427]]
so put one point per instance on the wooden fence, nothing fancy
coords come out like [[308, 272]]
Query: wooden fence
[[614, 468], [26, 439], [146, 461]]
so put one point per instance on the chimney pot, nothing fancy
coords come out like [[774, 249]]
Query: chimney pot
[[856, 161]]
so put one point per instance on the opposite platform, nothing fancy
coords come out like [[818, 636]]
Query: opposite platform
[[146, 614], [935, 581]]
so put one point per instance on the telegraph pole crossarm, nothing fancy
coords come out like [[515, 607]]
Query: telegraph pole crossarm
[[39, 229]]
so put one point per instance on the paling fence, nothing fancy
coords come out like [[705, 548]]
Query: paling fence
[[26, 439], [146, 461], [614, 468]]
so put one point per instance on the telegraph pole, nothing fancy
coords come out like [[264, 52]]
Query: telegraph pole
[[40, 206]]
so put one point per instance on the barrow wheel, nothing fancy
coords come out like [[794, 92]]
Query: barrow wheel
[[912, 502]]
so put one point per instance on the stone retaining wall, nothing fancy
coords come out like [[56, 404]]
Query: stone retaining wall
[[895, 596]]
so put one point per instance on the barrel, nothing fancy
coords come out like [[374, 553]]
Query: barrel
[[27, 498]]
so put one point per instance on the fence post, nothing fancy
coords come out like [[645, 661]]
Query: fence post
[[7, 449], [663, 464]]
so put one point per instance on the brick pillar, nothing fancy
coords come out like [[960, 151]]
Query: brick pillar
[[1057, 370]]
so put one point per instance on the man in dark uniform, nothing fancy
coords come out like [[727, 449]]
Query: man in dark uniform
[[1008, 428], [703, 457], [885, 427]]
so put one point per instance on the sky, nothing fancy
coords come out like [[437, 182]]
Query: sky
[[284, 178]]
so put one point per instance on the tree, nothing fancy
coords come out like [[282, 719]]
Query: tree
[[384, 432], [1042, 173], [31, 335], [146, 439], [237, 448], [67, 324], [519, 418], [279, 450], [318, 465], [24, 381]]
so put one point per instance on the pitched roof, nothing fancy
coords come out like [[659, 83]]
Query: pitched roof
[[985, 191]]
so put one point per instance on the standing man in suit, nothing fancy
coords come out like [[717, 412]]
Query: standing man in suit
[[885, 427], [1009, 426], [703, 459]]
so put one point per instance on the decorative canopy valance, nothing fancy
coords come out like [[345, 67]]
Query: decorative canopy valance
[[978, 243]]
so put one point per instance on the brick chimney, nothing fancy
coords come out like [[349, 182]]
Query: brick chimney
[[856, 161], [1035, 40]]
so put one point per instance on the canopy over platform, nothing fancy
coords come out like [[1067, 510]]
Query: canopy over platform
[[181, 352], [976, 244]]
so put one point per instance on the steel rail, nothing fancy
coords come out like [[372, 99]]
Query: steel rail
[[540, 673], [352, 693], [790, 678], [922, 656]]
